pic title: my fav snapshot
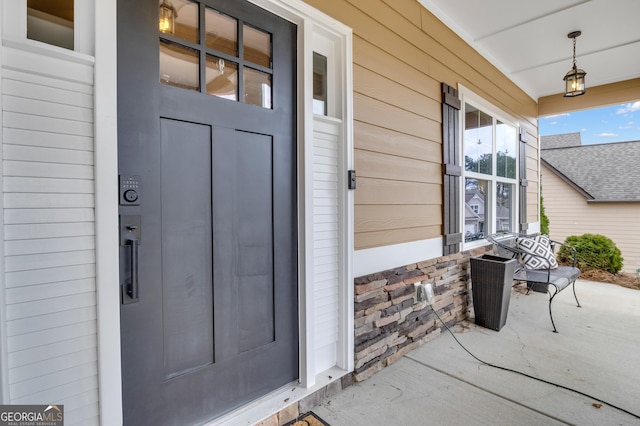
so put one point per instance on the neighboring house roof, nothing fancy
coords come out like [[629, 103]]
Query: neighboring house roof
[[470, 214], [470, 194], [604, 172], [564, 140]]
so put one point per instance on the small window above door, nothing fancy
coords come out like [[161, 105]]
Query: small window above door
[[51, 22], [319, 84]]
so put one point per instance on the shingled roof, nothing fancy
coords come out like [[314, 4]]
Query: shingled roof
[[607, 172], [564, 140]]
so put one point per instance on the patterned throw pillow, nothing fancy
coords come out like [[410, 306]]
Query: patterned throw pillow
[[539, 246]]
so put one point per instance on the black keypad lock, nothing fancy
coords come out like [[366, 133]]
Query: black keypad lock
[[130, 189]]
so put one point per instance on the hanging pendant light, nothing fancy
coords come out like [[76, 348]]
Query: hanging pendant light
[[574, 80], [168, 15]]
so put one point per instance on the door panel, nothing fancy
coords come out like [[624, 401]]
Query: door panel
[[215, 325], [186, 235]]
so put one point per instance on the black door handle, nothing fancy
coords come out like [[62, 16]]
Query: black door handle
[[130, 240], [132, 288]]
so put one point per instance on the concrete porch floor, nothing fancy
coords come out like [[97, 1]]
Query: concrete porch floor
[[597, 351]]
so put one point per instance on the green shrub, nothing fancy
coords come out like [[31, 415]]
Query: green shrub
[[593, 252], [544, 220]]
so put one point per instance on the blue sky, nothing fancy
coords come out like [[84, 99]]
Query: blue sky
[[618, 123]]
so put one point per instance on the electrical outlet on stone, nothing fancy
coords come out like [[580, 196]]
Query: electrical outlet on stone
[[429, 295], [419, 295]]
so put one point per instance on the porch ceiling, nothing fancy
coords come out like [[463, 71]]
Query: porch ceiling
[[528, 40]]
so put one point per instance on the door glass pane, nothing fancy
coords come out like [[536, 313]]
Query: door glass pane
[[478, 140], [178, 66], [222, 78], [222, 32], [475, 197], [257, 46], [504, 207], [319, 84], [506, 150], [257, 88], [180, 18], [51, 22]]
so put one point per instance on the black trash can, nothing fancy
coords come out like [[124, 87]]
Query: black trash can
[[491, 281]]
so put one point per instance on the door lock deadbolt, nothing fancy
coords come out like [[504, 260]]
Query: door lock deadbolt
[[130, 195]]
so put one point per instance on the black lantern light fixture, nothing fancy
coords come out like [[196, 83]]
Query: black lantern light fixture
[[574, 80], [167, 17]]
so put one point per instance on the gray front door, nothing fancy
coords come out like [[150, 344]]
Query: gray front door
[[207, 163]]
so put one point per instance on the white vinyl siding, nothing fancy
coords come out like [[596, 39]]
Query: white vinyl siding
[[49, 230], [326, 232]]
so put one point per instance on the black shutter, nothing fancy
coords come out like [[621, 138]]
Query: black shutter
[[522, 175], [451, 168]]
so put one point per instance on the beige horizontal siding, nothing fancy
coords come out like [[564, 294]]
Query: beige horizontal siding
[[570, 214], [49, 229], [402, 53], [607, 94]]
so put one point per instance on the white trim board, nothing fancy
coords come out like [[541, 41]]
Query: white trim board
[[369, 261], [106, 216]]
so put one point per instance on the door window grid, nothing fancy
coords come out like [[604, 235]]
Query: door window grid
[[233, 58]]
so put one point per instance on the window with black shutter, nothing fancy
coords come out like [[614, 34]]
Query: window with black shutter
[[484, 161]]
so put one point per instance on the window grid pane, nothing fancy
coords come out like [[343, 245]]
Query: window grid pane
[[221, 32], [478, 138], [505, 202], [476, 209], [257, 46], [185, 22], [257, 88], [506, 150], [179, 66], [222, 78]]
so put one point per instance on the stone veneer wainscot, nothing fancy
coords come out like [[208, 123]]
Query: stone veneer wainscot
[[389, 322]]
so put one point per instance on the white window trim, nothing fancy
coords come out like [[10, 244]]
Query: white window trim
[[14, 25], [468, 96]]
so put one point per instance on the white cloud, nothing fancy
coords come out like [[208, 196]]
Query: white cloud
[[608, 135], [553, 123], [629, 108], [566, 114]]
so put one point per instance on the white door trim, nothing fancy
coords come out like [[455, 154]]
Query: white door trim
[[106, 213], [308, 20], [312, 22]]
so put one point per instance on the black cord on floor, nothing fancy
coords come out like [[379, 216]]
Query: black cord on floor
[[533, 377]]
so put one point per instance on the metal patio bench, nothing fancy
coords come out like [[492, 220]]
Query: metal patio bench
[[544, 279]]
